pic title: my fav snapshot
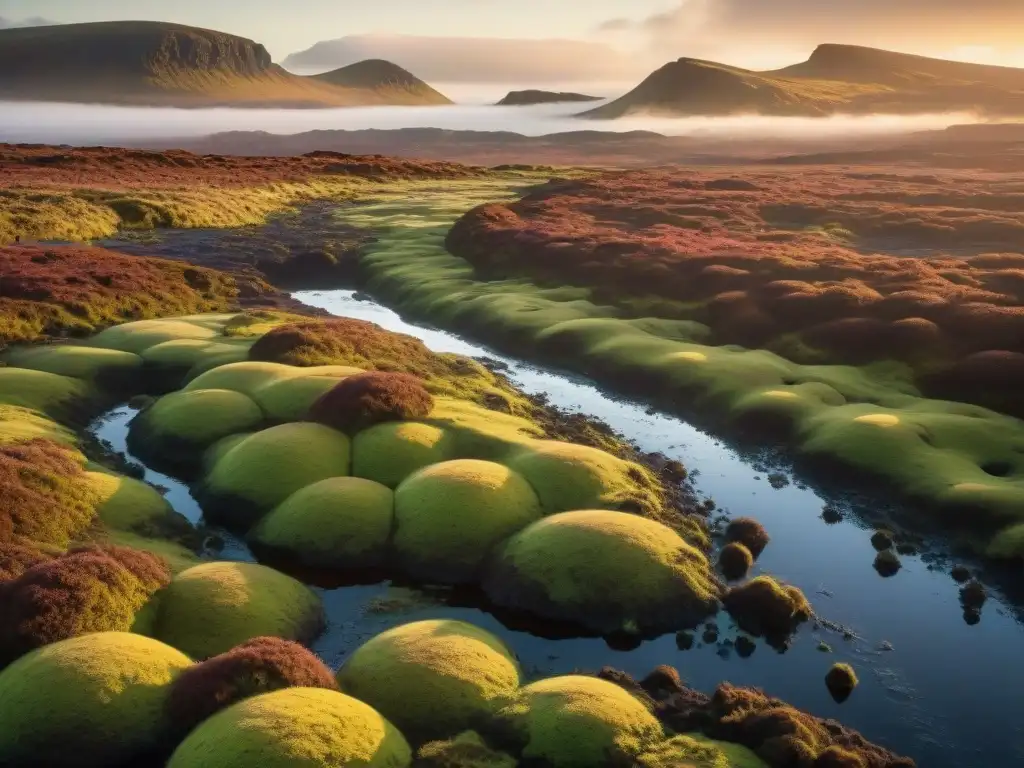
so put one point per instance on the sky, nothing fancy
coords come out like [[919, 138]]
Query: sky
[[631, 36]]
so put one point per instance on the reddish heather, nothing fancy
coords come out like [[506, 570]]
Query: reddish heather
[[365, 399], [116, 168], [928, 268], [260, 665], [45, 291]]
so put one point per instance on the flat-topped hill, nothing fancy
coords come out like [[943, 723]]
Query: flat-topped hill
[[157, 63], [835, 79], [399, 85], [531, 97]]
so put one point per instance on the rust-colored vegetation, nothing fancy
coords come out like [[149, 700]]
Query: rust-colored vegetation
[[821, 265], [260, 665], [56, 291], [16, 557], [43, 494], [766, 608], [358, 402], [115, 168], [86, 590]]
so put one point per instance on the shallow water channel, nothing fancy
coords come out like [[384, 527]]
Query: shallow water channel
[[932, 687]]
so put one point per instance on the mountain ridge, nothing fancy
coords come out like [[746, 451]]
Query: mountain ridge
[[149, 63], [835, 79]]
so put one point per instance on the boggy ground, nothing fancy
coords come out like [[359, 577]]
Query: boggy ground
[[62, 193], [108, 617], [820, 266], [869, 424]]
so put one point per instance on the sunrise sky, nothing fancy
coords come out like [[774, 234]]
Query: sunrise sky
[[629, 36]]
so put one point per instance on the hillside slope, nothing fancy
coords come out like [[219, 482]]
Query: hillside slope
[[158, 64], [530, 97], [835, 79], [396, 85]]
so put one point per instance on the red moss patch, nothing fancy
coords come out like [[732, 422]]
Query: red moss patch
[[85, 590], [43, 493], [76, 289], [361, 401], [344, 341], [116, 168], [748, 532], [859, 266], [766, 608], [260, 665], [16, 558]]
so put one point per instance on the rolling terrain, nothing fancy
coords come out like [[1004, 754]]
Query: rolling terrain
[[530, 97], [836, 79], [147, 63]]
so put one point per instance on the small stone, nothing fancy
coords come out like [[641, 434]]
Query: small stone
[[905, 548], [885, 645], [960, 574], [831, 515], [710, 635], [824, 647], [972, 616], [881, 540], [887, 563], [684, 641], [745, 647], [840, 681], [972, 595]]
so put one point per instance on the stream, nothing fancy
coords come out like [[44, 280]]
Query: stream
[[932, 686]]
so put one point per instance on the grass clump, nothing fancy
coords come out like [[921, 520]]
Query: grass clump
[[83, 591], [606, 571], [389, 453], [449, 516], [258, 666], [375, 397], [748, 532], [433, 679], [577, 722], [766, 608], [87, 702], [735, 561], [262, 470], [308, 727], [841, 680], [45, 494], [466, 750], [212, 607], [340, 522]]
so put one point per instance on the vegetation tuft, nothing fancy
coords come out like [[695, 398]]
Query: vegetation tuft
[[365, 399]]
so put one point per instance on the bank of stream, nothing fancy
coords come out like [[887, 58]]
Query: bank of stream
[[933, 687]]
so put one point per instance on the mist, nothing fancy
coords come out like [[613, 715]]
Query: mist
[[78, 124]]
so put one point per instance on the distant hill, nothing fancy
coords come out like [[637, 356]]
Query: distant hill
[[835, 79], [398, 85], [531, 97], [160, 64]]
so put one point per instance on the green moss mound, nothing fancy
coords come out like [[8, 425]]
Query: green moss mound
[[261, 665], [194, 419], [261, 471], [450, 515], [578, 722], [43, 392], [139, 336], [433, 679], [369, 398], [568, 476], [130, 505], [82, 591], [245, 377], [389, 453], [20, 425], [605, 571], [295, 728], [290, 399], [340, 522], [212, 607], [695, 750], [186, 358], [91, 701], [106, 365], [840, 681]]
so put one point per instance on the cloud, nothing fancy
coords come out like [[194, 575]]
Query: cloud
[[703, 27], [32, 21], [476, 60]]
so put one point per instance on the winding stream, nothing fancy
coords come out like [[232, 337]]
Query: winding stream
[[932, 686]]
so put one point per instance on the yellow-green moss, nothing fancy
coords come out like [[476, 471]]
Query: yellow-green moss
[[389, 453], [433, 679]]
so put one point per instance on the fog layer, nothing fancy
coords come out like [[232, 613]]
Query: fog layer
[[91, 124]]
